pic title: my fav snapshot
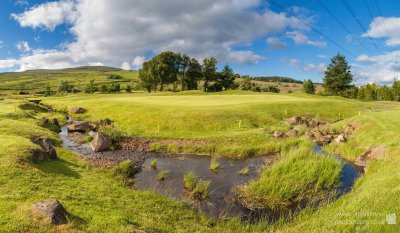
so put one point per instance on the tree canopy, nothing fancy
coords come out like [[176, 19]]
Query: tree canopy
[[338, 76]]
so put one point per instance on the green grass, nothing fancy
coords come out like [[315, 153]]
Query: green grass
[[245, 171], [212, 119], [376, 192], [215, 166], [97, 202], [162, 175], [153, 164], [201, 190], [299, 176], [189, 181], [94, 199]]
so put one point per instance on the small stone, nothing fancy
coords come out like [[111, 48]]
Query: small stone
[[340, 138], [77, 110], [278, 134], [294, 120], [292, 133]]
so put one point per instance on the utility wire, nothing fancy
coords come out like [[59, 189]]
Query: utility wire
[[317, 31], [342, 25], [348, 7]]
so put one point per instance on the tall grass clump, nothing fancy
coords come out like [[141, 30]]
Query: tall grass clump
[[163, 175], [201, 191], [196, 188], [153, 164], [215, 166], [125, 171], [189, 180], [300, 176]]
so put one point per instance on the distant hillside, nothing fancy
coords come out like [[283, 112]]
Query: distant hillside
[[33, 81]]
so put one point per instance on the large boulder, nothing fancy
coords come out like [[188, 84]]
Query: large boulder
[[53, 210], [47, 149], [292, 133], [100, 142], [323, 139], [376, 153], [77, 110], [294, 120], [79, 127]]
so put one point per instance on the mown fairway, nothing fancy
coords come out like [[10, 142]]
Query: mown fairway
[[231, 124]]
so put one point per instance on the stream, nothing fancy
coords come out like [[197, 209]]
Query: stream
[[222, 201]]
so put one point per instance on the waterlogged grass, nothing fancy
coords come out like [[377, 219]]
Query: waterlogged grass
[[299, 176], [228, 124], [215, 166], [189, 181]]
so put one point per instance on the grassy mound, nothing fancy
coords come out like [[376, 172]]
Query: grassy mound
[[299, 176]]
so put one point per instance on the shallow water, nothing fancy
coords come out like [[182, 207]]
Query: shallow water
[[222, 201]]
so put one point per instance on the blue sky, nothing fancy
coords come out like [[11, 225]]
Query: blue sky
[[294, 38]]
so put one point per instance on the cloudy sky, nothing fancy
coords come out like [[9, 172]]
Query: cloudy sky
[[293, 38]]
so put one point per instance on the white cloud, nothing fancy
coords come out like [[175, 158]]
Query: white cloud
[[318, 68], [47, 15], [21, 3], [23, 46], [276, 43], [137, 62], [300, 38], [322, 56], [113, 32], [382, 27], [126, 66], [378, 69]]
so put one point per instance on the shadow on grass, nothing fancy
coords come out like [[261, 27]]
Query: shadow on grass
[[58, 166]]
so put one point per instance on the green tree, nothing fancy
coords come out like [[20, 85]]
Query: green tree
[[338, 76], [361, 93], [148, 75], [128, 88], [370, 92], [47, 91], [194, 74], [65, 86], [309, 87], [226, 78], [385, 93], [209, 71], [245, 84], [91, 88], [396, 90], [104, 88]]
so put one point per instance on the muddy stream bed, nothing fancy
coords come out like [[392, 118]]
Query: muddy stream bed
[[222, 201]]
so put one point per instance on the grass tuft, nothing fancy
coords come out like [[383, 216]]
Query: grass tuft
[[215, 166]]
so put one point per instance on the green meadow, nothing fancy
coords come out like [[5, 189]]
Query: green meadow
[[231, 124]]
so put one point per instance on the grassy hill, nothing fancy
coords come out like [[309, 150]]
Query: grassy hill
[[36, 80]]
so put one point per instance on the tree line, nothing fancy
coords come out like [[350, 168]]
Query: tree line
[[338, 81], [180, 70]]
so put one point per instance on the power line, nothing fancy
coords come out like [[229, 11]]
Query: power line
[[348, 7], [318, 32], [342, 25]]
